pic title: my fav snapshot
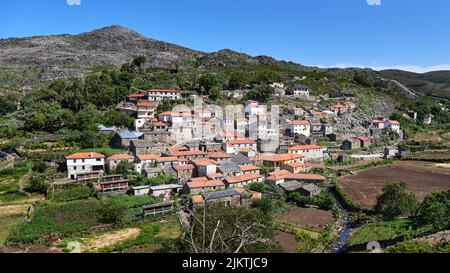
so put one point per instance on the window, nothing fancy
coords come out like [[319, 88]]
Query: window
[[75, 168], [98, 159]]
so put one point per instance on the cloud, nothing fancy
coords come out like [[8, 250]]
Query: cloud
[[73, 2], [374, 2], [411, 68]]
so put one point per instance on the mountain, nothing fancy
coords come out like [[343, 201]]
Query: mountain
[[26, 61], [29, 62], [436, 83]]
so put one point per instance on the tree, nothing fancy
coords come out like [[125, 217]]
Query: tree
[[395, 202], [217, 228], [435, 211], [124, 168], [139, 61], [208, 81], [110, 211], [38, 184], [214, 94], [261, 93], [237, 80]]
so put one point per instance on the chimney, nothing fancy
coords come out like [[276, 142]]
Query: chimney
[[92, 154]]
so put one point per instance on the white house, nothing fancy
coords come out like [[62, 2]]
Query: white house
[[393, 125], [234, 146], [300, 90], [254, 108], [165, 94], [300, 127], [81, 163], [311, 152]]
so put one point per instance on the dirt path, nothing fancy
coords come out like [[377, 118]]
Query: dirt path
[[99, 242]]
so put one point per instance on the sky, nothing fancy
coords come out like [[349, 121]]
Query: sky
[[412, 35]]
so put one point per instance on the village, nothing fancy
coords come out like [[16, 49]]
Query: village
[[212, 156]]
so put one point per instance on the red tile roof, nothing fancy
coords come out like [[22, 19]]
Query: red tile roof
[[278, 157], [197, 199], [204, 184], [184, 167], [85, 155], [248, 168], [299, 122], [243, 178], [145, 157], [196, 179], [146, 104], [166, 159], [120, 157], [187, 153], [363, 138], [218, 155], [240, 142], [136, 96], [203, 162], [304, 147]]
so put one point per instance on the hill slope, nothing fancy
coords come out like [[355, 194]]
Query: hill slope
[[436, 83]]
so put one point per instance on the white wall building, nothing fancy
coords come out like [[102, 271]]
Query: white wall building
[[300, 127], [234, 146], [311, 152], [81, 163]]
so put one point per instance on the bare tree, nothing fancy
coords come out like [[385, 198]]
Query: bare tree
[[218, 229]]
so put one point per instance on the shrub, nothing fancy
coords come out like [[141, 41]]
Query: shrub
[[395, 201], [38, 184], [71, 193], [410, 247]]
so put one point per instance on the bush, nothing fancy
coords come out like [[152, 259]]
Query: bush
[[395, 201], [71, 193], [410, 247], [111, 212], [435, 211], [38, 184]]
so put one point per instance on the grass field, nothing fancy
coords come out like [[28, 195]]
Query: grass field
[[383, 230], [6, 226]]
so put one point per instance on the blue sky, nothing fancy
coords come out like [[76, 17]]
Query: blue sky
[[407, 34]]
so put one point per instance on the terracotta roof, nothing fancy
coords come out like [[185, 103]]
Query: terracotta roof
[[203, 162], [145, 157], [278, 175], [203, 184], [182, 114], [197, 199], [299, 122], [166, 159], [160, 123], [278, 157], [168, 113], [247, 168], [120, 157], [85, 155], [363, 138], [184, 167], [136, 96], [243, 178], [196, 179], [219, 155], [146, 104], [394, 122], [304, 147], [338, 106], [215, 175], [187, 153], [240, 142]]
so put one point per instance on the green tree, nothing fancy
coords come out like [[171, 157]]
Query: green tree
[[237, 80], [110, 211], [214, 94], [38, 184], [208, 81], [435, 211], [394, 201], [124, 168], [261, 93]]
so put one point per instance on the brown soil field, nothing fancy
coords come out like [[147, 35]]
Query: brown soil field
[[420, 177], [286, 240], [307, 217]]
